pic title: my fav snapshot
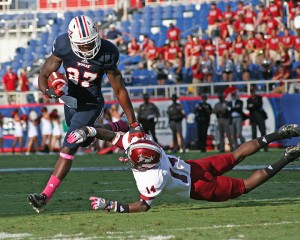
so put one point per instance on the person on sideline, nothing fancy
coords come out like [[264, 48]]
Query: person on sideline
[[257, 114], [148, 114], [202, 112], [176, 114]]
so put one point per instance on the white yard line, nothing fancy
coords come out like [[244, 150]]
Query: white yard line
[[120, 235], [208, 227], [4, 235], [100, 169]]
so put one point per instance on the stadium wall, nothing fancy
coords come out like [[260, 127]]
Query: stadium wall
[[281, 109]]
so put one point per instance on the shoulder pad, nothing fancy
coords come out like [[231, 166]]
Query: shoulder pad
[[61, 46]]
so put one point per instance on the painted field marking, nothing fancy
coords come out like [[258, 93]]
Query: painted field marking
[[209, 227], [4, 235], [100, 169]]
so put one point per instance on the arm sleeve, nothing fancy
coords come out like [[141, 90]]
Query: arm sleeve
[[148, 200]]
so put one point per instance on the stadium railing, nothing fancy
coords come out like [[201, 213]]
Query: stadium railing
[[165, 91]]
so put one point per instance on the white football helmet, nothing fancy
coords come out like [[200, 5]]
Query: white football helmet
[[84, 37]]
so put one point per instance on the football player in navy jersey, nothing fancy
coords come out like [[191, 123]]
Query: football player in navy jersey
[[85, 58]]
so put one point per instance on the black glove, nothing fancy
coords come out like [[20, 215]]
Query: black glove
[[136, 130], [50, 93]]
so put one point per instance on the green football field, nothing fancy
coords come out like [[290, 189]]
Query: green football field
[[271, 211]]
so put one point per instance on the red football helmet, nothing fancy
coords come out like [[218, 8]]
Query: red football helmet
[[144, 154]]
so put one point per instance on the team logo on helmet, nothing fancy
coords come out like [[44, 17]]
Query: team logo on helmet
[[144, 154]]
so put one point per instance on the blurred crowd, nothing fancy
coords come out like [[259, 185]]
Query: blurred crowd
[[247, 43], [250, 43]]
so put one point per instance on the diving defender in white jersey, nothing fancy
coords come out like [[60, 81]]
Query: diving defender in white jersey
[[156, 172]]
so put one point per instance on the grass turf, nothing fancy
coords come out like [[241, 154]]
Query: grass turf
[[271, 211]]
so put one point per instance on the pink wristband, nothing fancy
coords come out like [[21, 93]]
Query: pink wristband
[[66, 156]]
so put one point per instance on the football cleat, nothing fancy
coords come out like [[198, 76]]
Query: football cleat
[[289, 130], [292, 153], [38, 201]]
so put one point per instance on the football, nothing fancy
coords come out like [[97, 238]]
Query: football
[[57, 80]]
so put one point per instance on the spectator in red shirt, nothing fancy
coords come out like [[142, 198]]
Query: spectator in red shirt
[[297, 48], [285, 58], [258, 49], [228, 14], [240, 10], [239, 24], [223, 28], [222, 48], [197, 78], [145, 42], [172, 52], [197, 73], [162, 50], [173, 33], [24, 85], [214, 14], [249, 17], [196, 50], [227, 24], [10, 83], [250, 45], [273, 43], [287, 40], [151, 52], [134, 48], [261, 21], [188, 51], [275, 11], [23, 80], [294, 11], [238, 49], [210, 48], [272, 24]]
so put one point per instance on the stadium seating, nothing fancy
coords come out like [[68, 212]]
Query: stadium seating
[[150, 20]]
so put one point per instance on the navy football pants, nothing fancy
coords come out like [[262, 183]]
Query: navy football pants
[[78, 118]]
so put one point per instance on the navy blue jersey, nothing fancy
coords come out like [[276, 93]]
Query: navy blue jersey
[[85, 75]]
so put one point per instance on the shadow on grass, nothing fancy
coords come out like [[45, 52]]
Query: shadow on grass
[[239, 204]]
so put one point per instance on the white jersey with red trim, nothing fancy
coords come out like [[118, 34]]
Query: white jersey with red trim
[[172, 175]]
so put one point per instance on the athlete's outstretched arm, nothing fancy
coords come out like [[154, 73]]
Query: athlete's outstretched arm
[[51, 65], [81, 134], [116, 81], [99, 203]]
